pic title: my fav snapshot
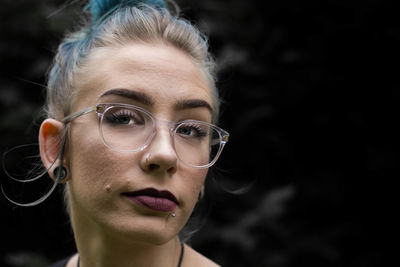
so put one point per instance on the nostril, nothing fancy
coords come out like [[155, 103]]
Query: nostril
[[172, 170], [153, 167]]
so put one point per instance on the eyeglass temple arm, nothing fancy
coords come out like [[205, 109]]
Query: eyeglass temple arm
[[224, 138], [77, 114]]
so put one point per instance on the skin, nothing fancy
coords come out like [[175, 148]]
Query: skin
[[109, 229]]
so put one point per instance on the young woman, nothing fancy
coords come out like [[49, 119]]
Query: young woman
[[131, 107]]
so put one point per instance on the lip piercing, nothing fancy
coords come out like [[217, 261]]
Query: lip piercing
[[172, 214], [108, 188]]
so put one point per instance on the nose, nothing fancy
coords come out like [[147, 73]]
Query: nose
[[160, 154]]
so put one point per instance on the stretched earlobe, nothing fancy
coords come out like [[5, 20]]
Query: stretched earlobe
[[51, 145], [60, 173]]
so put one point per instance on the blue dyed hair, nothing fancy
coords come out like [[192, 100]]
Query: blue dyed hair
[[117, 23], [100, 9]]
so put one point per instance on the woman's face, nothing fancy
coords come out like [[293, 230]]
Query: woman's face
[[166, 82]]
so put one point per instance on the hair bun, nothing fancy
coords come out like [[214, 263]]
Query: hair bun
[[100, 9]]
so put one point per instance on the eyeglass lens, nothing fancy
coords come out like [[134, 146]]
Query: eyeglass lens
[[125, 128]]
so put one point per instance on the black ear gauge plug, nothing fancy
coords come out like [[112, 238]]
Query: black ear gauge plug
[[60, 173]]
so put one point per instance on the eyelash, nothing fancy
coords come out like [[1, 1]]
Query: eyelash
[[115, 116]]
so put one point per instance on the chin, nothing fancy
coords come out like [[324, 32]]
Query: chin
[[148, 237], [154, 233]]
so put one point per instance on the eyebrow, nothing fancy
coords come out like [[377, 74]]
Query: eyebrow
[[192, 103], [147, 100], [135, 95]]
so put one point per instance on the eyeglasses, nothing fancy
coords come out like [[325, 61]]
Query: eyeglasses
[[128, 128]]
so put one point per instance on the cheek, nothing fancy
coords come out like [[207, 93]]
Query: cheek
[[193, 181], [92, 167]]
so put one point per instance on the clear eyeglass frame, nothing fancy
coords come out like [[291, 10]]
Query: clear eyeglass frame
[[102, 108]]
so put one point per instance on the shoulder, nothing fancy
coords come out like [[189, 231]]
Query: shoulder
[[60, 263], [195, 259], [70, 261]]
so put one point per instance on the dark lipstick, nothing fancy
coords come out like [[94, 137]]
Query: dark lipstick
[[153, 199]]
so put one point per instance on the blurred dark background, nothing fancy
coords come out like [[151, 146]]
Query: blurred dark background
[[310, 93]]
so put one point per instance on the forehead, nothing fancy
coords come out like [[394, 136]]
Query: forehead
[[164, 72]]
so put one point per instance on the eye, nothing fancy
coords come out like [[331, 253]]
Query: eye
[[192, 130], [123, 117]]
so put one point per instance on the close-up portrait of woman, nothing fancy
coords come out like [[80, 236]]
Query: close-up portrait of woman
[[184, 133], [130, 133]]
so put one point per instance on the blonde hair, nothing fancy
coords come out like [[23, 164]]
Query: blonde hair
[[125, 25]]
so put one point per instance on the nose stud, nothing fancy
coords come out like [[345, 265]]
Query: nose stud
[[147, 159]]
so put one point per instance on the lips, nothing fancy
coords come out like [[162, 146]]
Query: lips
[[153, 199]]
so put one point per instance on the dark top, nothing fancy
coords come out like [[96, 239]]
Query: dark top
[[61, 263]]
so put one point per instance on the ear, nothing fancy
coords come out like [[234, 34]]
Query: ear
[[50, 135]]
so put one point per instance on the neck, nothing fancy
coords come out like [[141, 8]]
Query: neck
[[100, 248], [103, 252]]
